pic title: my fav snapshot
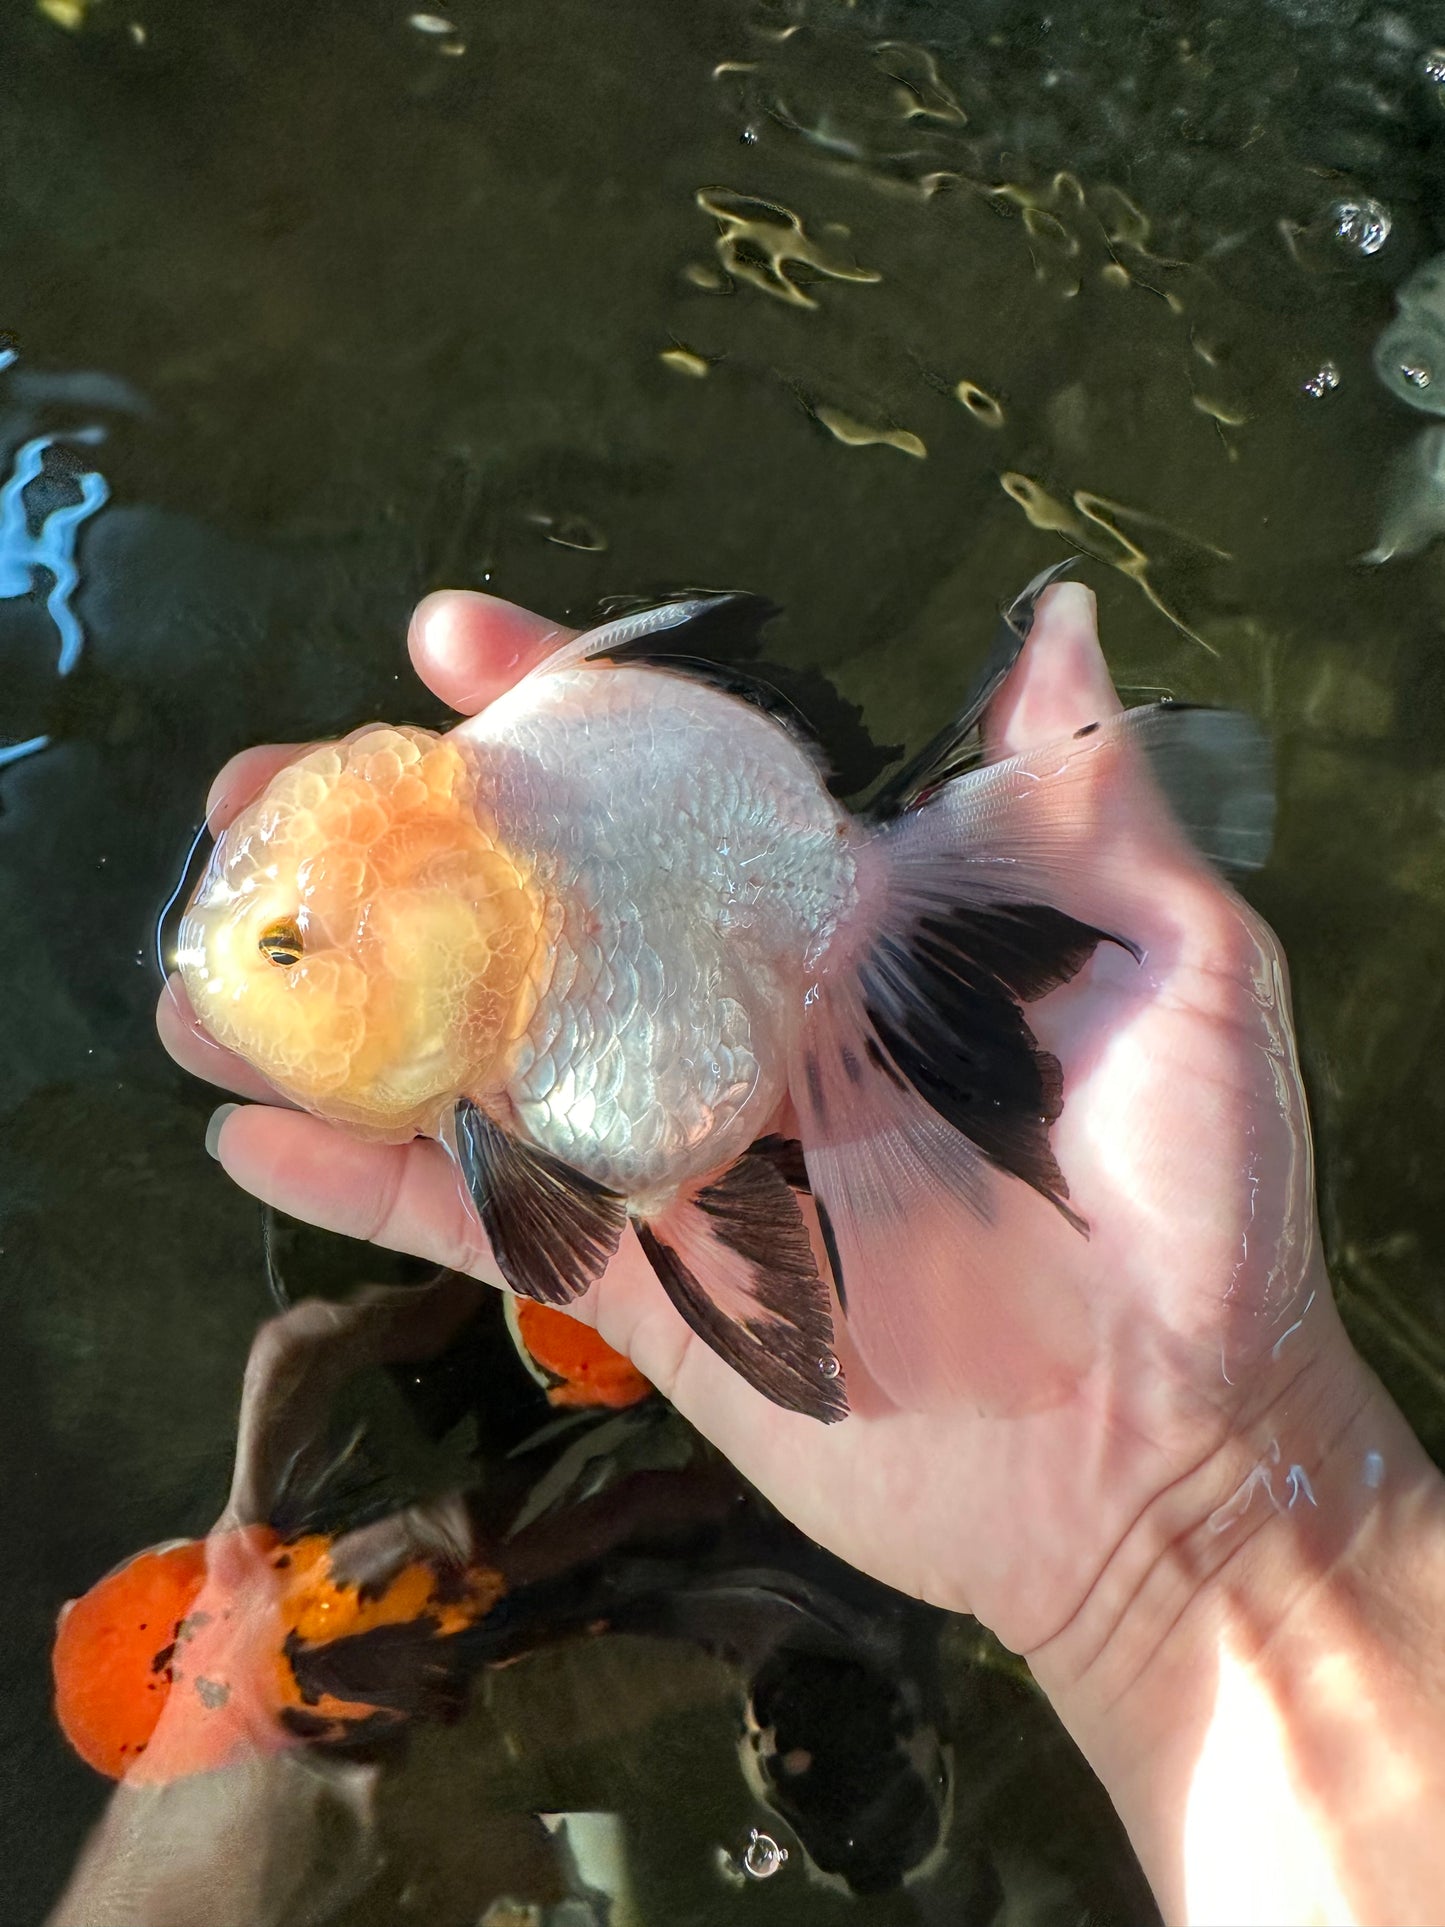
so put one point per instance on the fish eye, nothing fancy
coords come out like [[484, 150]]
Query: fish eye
[[280, 943]]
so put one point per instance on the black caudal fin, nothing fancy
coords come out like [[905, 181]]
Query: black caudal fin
[[736, 1261], [958, 745], [944, 1002], [552, 1229], [718, 639], [920, 1083]]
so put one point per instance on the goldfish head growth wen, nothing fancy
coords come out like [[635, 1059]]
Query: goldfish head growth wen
[[360, 936]]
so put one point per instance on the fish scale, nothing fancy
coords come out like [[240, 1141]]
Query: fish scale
[[688, 900]]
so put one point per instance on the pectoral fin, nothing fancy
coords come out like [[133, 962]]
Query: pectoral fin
[[553, 1230], [736, 1261]]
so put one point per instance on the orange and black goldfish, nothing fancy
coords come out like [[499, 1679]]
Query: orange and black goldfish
[[596, 937], [199, 1654], [203, 1653]]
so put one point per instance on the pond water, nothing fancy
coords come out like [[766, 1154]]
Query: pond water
[[878, 308]]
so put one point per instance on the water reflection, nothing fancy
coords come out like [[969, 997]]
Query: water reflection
[[13, 752], [272, 1646], [43, 505]]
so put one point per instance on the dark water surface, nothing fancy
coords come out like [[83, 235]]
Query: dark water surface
[[313, 309]]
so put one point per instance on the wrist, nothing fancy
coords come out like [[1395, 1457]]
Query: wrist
[[1258, 1658]]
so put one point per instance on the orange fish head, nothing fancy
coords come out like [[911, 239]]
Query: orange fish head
[[159, 1668], [360, 936]]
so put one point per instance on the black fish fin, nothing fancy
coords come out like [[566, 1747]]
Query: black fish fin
[[958, 745], [552, 1229], [944, 1005], [919, 1083], [718, 640], [785, 1154], [735, 1259]]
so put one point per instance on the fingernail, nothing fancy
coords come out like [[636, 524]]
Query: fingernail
[[216, 1126]]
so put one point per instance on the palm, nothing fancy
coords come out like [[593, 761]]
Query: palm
[[1184, 1144]]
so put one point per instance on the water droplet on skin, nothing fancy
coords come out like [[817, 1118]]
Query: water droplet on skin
[[1363, 225], [762, 1857], [1323, 381], [829, 1366]]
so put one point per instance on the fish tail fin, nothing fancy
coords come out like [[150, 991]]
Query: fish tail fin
[[926, 1100], [735, 1258]]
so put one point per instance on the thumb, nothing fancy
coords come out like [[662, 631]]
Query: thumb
[[470, 648]]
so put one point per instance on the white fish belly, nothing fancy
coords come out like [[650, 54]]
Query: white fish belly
[[695, 867]]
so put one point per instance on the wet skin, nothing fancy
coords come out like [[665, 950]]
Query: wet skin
[[1019, 1518]]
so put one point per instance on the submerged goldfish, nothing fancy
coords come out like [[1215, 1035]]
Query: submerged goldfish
[[570, 1362], [595, 937], [202, 1653]]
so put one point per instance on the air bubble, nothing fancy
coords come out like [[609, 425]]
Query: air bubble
[[762, 1857], [1433, 66], [1324, 380], [1417, 372], [829, 1366], [1363, 225]]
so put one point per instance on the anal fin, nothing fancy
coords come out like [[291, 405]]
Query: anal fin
[[736, 1260], [553, 1230]]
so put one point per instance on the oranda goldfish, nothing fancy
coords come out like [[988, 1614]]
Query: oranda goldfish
[[204, 1653], [199, 1654], [594, 937]]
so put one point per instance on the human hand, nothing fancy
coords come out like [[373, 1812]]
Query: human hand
[[1184, 1141]]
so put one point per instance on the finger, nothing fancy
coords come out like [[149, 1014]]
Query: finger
[[406, 1197], [469, 648], [195, 1050], [1060, 681], [403, 1196], [245, 776]]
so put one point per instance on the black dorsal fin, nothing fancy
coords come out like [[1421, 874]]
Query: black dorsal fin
[[553, 1230], [957, 746], [736, 1261], [721, 643]]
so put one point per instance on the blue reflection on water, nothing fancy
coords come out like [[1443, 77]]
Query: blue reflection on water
[[12, 752], [50, 545]]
